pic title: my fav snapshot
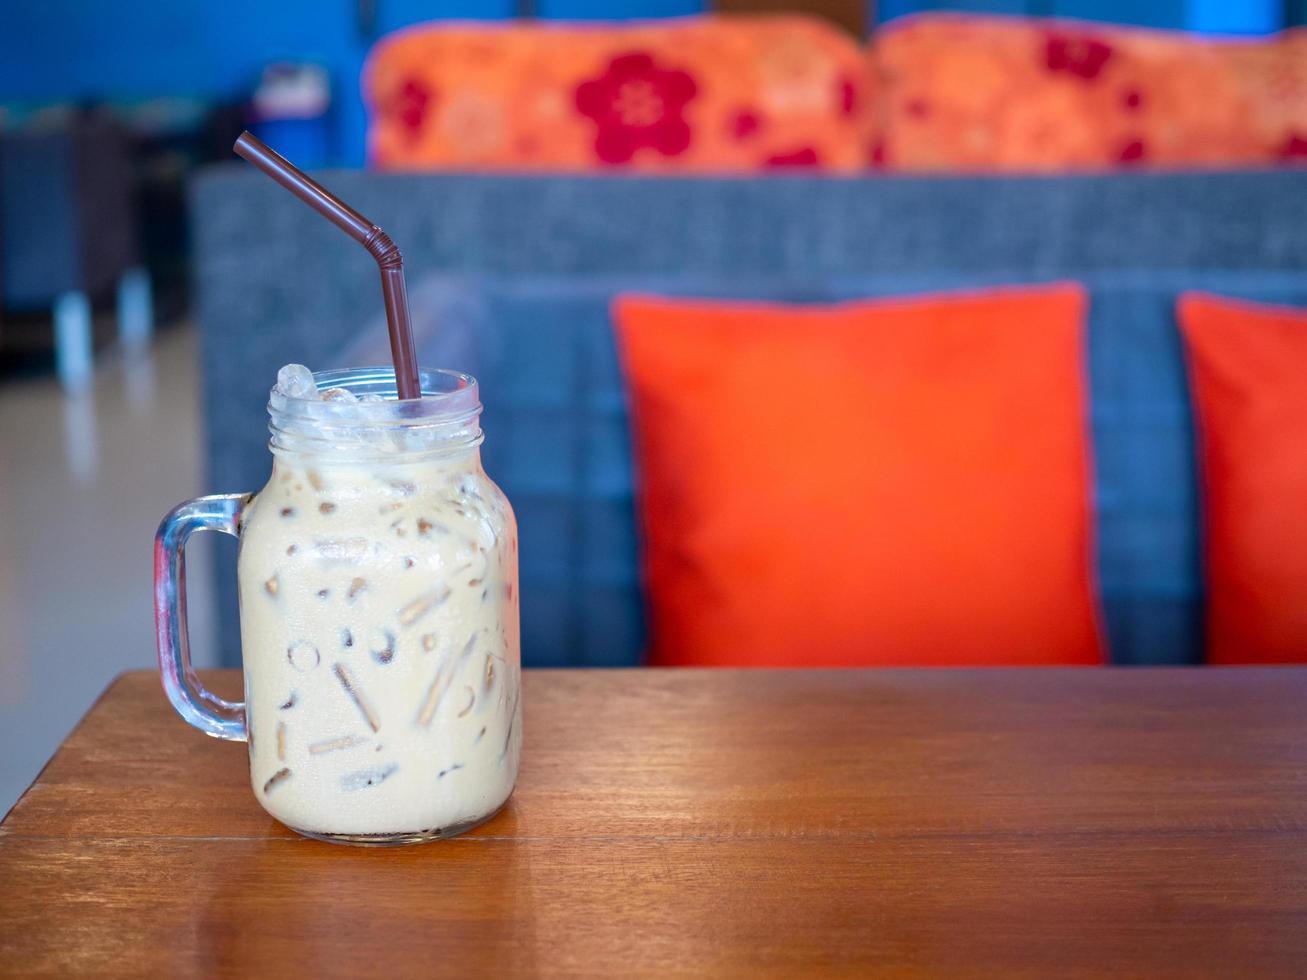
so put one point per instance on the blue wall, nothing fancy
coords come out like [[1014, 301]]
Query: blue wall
[[1208, 16], [138, 49]]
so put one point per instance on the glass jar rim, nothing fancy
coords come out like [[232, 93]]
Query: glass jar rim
[[447, 396], [443, 420]]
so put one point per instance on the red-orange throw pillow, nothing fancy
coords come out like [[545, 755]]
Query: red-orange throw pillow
[[901, 482], [1248, 365]]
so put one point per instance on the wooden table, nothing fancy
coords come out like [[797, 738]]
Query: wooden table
[[1006, 822]]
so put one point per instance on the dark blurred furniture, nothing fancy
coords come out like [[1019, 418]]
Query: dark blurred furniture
[[852, 15], [986, 823], [516, 274], [68, 233]]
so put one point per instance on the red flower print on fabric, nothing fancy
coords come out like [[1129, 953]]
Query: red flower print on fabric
[[1133, 152], [744, 124], [1083, 57], [848, 96], [636, 104], [1294, 148], [805, 157], [410, 103]]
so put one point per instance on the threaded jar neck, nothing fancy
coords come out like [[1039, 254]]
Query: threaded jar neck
[[443, 422]]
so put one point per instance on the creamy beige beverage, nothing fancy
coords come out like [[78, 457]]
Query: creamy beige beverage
[[379, 620]]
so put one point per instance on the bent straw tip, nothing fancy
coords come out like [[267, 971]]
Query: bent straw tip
[[377, 242]]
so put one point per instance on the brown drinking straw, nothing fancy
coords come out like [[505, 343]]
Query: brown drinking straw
[[363, 231]]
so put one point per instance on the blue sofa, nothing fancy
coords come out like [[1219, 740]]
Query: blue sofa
[[512, 279]]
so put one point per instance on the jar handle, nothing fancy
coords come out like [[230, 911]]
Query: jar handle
[[206, 711]]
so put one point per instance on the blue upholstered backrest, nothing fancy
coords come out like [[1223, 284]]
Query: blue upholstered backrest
[[518, 274]]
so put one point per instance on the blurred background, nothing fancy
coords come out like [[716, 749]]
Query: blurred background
[[126, 247]]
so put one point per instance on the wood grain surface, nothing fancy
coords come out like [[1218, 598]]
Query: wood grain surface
[[736, 823]]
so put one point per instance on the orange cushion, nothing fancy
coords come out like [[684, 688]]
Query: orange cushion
[[1248, 363], [992, 93], [884, 482], [700, 94]]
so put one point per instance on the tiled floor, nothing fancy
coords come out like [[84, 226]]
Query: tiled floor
[[83, 483]]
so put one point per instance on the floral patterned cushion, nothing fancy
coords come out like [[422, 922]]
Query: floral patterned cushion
[[705, 94], [960, 92]]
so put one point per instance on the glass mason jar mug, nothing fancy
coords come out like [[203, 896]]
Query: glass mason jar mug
[[377, 575]]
